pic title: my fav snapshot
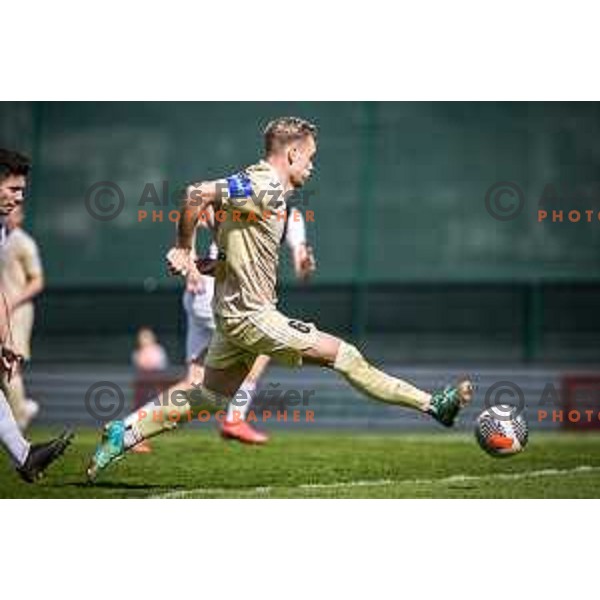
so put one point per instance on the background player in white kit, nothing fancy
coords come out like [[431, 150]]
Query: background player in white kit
[[197, 302], [21, 280], [31, 460]]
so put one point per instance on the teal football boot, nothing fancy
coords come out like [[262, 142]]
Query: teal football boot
[[110, 449]]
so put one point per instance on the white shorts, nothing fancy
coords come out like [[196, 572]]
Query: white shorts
[[200, 320]]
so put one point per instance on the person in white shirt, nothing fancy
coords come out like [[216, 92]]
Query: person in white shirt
[[31, 460]]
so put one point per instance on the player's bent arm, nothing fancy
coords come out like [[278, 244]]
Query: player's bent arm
[[34, 287], [304, 263], [295, 238], [10, 361], [198, 199]]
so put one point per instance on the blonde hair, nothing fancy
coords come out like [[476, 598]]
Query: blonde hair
[[285, 130]]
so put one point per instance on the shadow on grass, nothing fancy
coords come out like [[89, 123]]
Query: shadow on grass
[[110, 485]]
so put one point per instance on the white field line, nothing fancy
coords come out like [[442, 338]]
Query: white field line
[[461, 478]]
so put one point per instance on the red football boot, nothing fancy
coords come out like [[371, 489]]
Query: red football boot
[[242, 432], [143, 447]]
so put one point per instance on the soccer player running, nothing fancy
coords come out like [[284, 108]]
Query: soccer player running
[[248, 323], [31, 460], [21, 280]]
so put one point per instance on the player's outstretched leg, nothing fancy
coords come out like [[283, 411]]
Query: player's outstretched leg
[[443, 405], [164, 413], [123, 435], [41, 456], [159, 415], [31, 459]]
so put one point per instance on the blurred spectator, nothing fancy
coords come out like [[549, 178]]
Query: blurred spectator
[[149, 356]]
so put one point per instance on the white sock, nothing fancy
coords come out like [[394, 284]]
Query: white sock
[[240, 404], [133, 435], [10, 434], [133, 417]]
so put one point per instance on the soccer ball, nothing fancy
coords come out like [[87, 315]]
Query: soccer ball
[[501, 430]]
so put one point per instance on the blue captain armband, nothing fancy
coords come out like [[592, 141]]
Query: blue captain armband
[[239, 186]]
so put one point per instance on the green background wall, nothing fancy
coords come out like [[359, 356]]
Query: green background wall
[[403, 239]]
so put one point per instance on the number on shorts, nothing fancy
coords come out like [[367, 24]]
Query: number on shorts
[[299, 326]]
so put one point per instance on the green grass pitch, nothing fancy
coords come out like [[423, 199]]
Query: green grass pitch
[[198, 464]]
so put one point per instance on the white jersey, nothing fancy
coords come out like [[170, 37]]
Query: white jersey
[[3, 231], [295, 232], [19, 263], [200, 303]]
